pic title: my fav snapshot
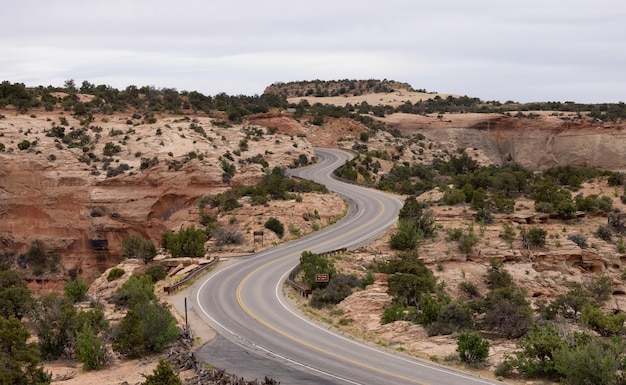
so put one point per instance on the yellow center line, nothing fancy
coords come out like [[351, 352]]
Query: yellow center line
[[300, 341]]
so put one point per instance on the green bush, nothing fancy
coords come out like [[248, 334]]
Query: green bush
[[138, 247], [604, 324], [313, 264], [472, 348], [90, 349], [392, 313], [23, 145], [138, 289], [591, 361], [146, 328], [187, 242], [453, 317], [535, 357], [338, 288], [156, 272], [604, 232], [535, 236], [163, 374], [276, 226], [75, 289], [115, 273]]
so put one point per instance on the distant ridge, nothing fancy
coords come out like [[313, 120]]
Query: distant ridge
[[325, 88]]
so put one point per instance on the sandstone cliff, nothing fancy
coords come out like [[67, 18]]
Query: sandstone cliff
[[127, 177]]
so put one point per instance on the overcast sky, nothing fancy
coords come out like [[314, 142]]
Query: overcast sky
[[532, 50]]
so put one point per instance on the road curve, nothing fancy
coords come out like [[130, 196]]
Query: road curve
[[259, 334]]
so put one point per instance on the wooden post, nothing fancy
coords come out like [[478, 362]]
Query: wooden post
[[186, 322]]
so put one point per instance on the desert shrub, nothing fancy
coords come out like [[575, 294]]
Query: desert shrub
[[536, 349], [533, 237], [111, 149], [452, 318], [472, 348], [138, 289], [138, 247], [470, 289], [497, 276], [75, 289], [604, 324], [454, 234], [604, 232], [394, 312], [15, 297], [20, 357], [187, 242], [313, 264], [616, 179], [115, 273], [406, 237], [508, 233], [276, 226], [339, 287], [591, 361], [228, 236], [578, 239], [620, 246], [367, 280], [163, 374], [111, 172], [23, 145], [90, 349], [483, 216], [156, 272], [146, 328], [507, 312], [468, 241], [502, 203], [453, 196]]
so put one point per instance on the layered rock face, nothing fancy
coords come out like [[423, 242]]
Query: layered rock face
[[70, 200], [537, 144]]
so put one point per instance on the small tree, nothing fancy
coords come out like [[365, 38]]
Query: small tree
[[20, 359], [138, 247], [129, 338], [537, 347], [535, 236], [138, 289], [75, 289], [472, 348], [188, 242], [591, 361], [156, 272], [163, 374], [90, 350], [15, 298]]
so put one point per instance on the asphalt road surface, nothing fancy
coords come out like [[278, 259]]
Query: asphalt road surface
[[260, 334]]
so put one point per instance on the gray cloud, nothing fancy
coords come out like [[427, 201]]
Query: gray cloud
[[525, 51]]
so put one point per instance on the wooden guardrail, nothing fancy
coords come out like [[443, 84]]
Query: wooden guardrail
[[171, 288]]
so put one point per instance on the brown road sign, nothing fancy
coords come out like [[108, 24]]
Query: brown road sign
[[321, 277]]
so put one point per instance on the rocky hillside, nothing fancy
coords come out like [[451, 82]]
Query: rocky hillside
[[78, 190], [81, 171]]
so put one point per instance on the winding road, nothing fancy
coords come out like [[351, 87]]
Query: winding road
[[260, 334]]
